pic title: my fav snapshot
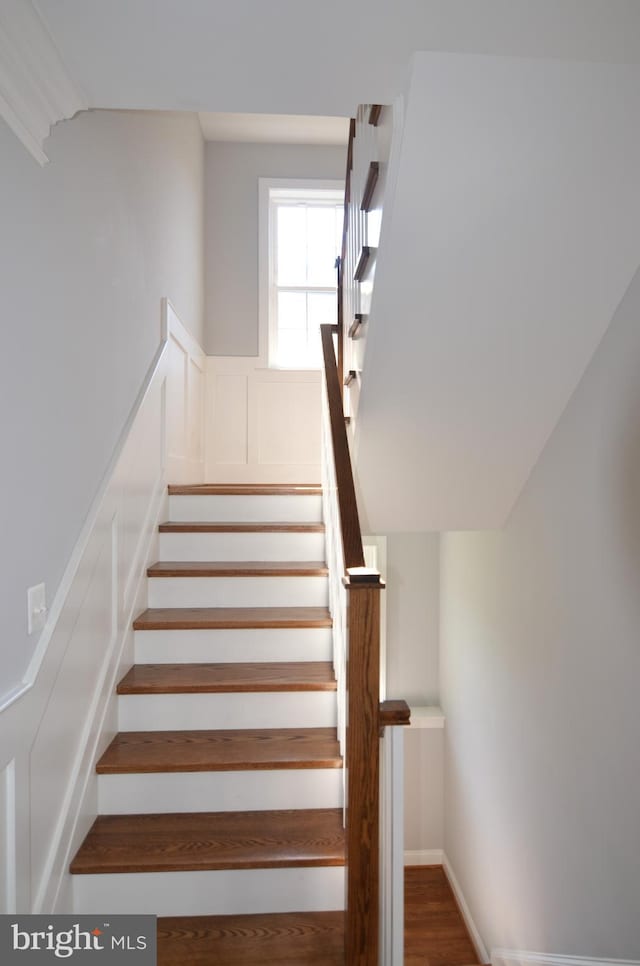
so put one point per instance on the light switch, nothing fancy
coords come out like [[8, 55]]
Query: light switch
[[36, 608]]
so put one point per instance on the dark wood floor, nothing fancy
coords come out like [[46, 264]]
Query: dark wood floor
[[435, 934]]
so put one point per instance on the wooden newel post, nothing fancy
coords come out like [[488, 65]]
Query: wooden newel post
[[363, 763]]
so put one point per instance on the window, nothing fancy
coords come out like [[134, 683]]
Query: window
[[304, 237]]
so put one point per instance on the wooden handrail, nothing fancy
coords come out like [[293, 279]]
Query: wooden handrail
[[362, 751], [394, 713], [349, 520], [358, 603]]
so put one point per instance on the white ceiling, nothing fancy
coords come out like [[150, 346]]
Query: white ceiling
[[304, 57], [274, 128]]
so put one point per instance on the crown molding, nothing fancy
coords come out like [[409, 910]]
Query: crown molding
[[36, 90]]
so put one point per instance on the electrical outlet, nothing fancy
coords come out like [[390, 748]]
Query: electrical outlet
[[36, 608]]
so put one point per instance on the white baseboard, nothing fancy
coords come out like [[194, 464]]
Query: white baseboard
[[423, 857], [518, 957], [476, 938]]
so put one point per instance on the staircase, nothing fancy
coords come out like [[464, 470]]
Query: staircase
[[221, 797]]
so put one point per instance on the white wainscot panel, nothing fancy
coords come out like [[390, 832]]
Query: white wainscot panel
[[186, 365], [262, 425], [140, 473], [287, 418], [176, 399], [55, 728], [229, 414], [195, 428]]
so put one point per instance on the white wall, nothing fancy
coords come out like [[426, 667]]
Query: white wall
[[88, 246], [497, 265], [413, 608], [411, 570], [540, 668], [231, 231]]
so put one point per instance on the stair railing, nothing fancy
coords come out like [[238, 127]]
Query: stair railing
[[355, 605], [370, 745]]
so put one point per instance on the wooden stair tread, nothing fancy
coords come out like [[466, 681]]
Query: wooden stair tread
[[202, 618], [244, 568], [229, 750], [183, 841], [312, 938], [225, 678], [245, 489], [196, 526]]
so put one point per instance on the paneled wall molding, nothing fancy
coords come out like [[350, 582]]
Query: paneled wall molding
[[186, 375], [263, 425], [518, 957], [52, 733], [36, 90]]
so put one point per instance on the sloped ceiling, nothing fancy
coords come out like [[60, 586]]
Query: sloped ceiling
[[304, 57], [514, 233]]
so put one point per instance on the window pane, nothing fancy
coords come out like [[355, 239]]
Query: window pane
[[322, 309], [308, 239], [292, 349], [339, 212], [291, 266], [292, 311], [321, 246]]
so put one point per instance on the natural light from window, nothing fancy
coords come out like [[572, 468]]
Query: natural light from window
[[305, 240]]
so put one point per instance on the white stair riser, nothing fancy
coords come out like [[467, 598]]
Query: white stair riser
[[236, 646], [282, 709], [240, 509], [238, 592], [227, 892], [230, 791], [242, 546]]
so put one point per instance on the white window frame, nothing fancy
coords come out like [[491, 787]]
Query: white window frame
[[267, 187]]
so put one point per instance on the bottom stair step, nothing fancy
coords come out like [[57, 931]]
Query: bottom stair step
[[212, 863], [312, 938]]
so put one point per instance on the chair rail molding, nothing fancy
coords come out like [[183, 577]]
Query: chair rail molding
[[36, 89]]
